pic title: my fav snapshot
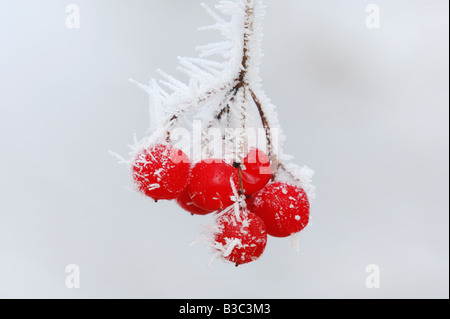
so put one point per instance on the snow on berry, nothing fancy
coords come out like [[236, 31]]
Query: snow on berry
[[283, 207], [239, 236], [161, 171]]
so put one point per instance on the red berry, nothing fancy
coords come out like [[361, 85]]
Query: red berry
[[210, 186], [185, 202], [249, 203], [257, 172], [284, 208], [161, 171], [240, 236]]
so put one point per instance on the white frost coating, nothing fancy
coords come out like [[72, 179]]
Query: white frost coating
[[158, 173], [153, 187], [239, 200], [231, 243]]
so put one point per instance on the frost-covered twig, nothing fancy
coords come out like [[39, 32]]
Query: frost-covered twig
[[228, 86]]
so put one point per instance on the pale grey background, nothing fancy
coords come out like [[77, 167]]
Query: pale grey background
[[367, 109]]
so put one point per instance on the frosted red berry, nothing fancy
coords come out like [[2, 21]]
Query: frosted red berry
[[210, 185], [161, 171], [257, 171], [284, 208], [240, 236], [185, 202]]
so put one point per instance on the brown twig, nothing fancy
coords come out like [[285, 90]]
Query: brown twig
[[241, 182], [265, 123]]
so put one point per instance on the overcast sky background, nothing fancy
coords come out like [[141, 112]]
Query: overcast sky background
[[366, 108]]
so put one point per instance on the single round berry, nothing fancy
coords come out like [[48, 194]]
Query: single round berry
[[210, 186], [240, 236], [283, 207], [161, 171], [185, 202], [257, 172]]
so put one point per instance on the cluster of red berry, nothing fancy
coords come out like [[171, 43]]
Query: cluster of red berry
[[248, 203]]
